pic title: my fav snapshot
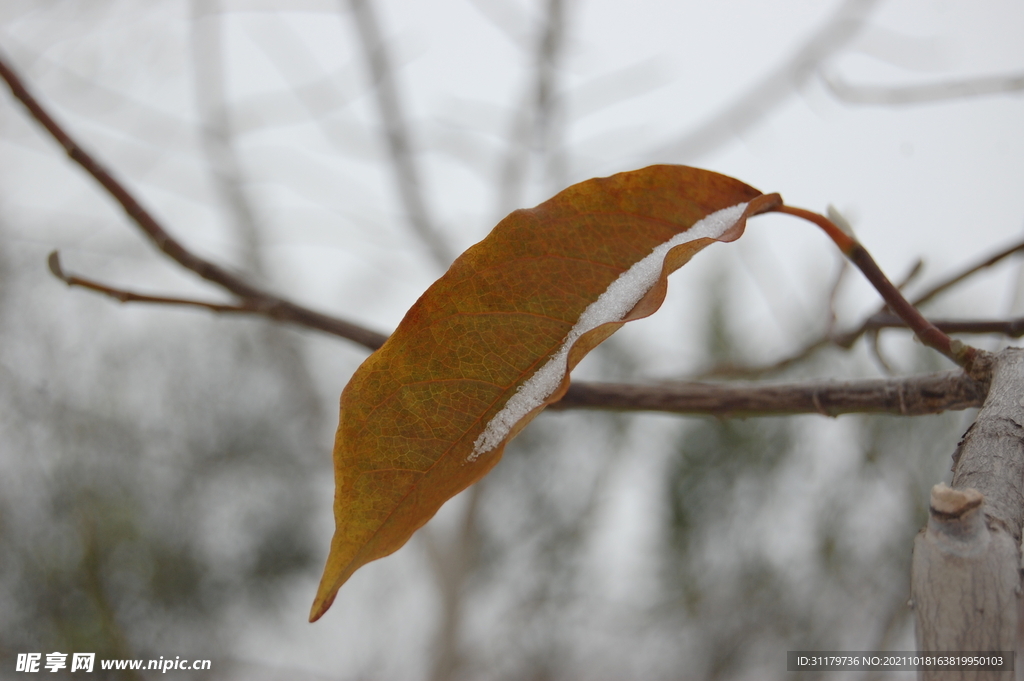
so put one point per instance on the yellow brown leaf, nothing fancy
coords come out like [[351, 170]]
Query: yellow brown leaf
[[492, 342]]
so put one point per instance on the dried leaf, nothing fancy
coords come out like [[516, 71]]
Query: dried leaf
[[492, 341]]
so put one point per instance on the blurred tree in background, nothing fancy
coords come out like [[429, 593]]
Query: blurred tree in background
[[166, 481]]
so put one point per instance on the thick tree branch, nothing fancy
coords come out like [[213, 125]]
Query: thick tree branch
[[908, 396], [966, 579]]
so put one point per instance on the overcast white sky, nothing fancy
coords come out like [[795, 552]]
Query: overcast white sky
[[943, 181]]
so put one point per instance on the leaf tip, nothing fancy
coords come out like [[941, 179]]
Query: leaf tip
[[320, 606]]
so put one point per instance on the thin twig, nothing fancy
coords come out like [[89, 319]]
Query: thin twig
[[125, 296], [910, 276], [882, 318], [396, 132], [875, 345], [752, 105], [921, 94], [315, 321], [828, 338], [859, 256], [955, 279], [533, 125], [1013, 328], [833, 293], [267, 303], [847, 339], [222, 159]]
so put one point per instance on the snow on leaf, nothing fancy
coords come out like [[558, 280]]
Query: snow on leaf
[[611, 306]]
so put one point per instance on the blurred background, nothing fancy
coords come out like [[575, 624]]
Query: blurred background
[[165, 474]]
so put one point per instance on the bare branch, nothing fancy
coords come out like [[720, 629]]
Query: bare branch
[[828, 338], [534, 127], [965, 575], [396, 131], [266, 303], [955, 279], [773, 89], [921, 94], [910, 276], [125, 296], [914, 395], [300, 316], [920, 395], [874, 344], [217, 135], [1014, 328], [1011, 328]]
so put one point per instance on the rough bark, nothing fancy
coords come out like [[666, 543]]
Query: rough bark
[[966, 571]]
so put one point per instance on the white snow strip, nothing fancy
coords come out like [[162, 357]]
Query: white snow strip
[[615, 303]]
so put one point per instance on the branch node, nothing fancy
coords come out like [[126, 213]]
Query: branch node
[[979, 365], [956, 521], [948, 503], [816, 401]]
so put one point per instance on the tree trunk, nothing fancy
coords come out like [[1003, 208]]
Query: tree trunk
[[966, 571]]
